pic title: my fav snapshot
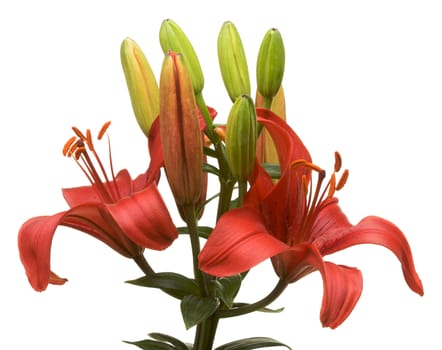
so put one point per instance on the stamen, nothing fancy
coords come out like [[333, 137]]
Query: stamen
[[103, 130], [78, 133], [343, 180], [89, 140], [68, 145], [338, 161], [332, 186]]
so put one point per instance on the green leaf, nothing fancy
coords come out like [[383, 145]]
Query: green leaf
[[251, 343], [227, 288], [208, 168], [178, 344], [263, 309], [148, 344], [196, 309], [203, 231], [172, 283], [272, 169]]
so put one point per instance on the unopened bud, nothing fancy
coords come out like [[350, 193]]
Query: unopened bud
[[172, 38], [181, 137], [270, 64], [233, 62], [141, 83], [241, 132], [266, 150]]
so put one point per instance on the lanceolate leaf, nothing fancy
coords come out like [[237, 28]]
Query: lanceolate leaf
[[172, 283], [148, 344], [251, 343], [197, 309], [178, 344]]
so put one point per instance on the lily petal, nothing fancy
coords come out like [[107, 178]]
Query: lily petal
[[342, 284], [238, 242], [144, 218], [333, 233], [34, 243]]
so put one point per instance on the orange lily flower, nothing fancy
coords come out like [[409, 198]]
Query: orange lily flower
[[128, 215]]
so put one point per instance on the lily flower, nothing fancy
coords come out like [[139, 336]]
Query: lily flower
[[128, 215], [297, 222]]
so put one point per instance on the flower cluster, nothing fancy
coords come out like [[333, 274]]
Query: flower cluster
[[273, 203]]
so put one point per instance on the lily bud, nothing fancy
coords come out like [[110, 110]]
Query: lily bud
[[233, 62], [241, 133], [141, 83], [172, 38], [266, 150], [180, 132], [270, 64]]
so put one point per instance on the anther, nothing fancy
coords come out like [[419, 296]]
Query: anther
[[68, 145], [103, 130], [338, 161], [79, 133], [89, 140], [342, 181]]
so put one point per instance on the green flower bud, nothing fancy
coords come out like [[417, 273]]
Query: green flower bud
[[141, 83], [270, 64], [241, 134], [233, 62], [172, 38]]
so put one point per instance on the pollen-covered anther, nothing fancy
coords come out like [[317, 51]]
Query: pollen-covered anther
[[78, 133], [338, 161], [332, 186], [343, 180], [67, 146], [103, 130]]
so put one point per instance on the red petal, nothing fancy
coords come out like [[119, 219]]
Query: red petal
[[342, 289], [334, 233], [342, 285], [144, 218], [34, 244], [238, 242]]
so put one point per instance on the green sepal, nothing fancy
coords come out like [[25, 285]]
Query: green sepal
[[196, 309], [251, 343], [171, 283], [227, 288]]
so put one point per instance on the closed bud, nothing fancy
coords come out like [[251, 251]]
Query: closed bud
[[141, 83], [181, 137], [266, 150], [172, 38], [241, 133], [232, 61], [270, 64]]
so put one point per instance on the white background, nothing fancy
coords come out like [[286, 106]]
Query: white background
[[362, 77]]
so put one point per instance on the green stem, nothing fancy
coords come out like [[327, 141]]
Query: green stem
[[242, 310], [143, 264], [242, 190]]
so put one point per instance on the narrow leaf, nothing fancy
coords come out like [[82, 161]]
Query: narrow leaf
[[251, 343], [148, 344], [172, 283], [196, 309], [178, 344]]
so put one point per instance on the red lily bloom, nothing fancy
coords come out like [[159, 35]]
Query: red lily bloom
[[128, 215], [296, 224]]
